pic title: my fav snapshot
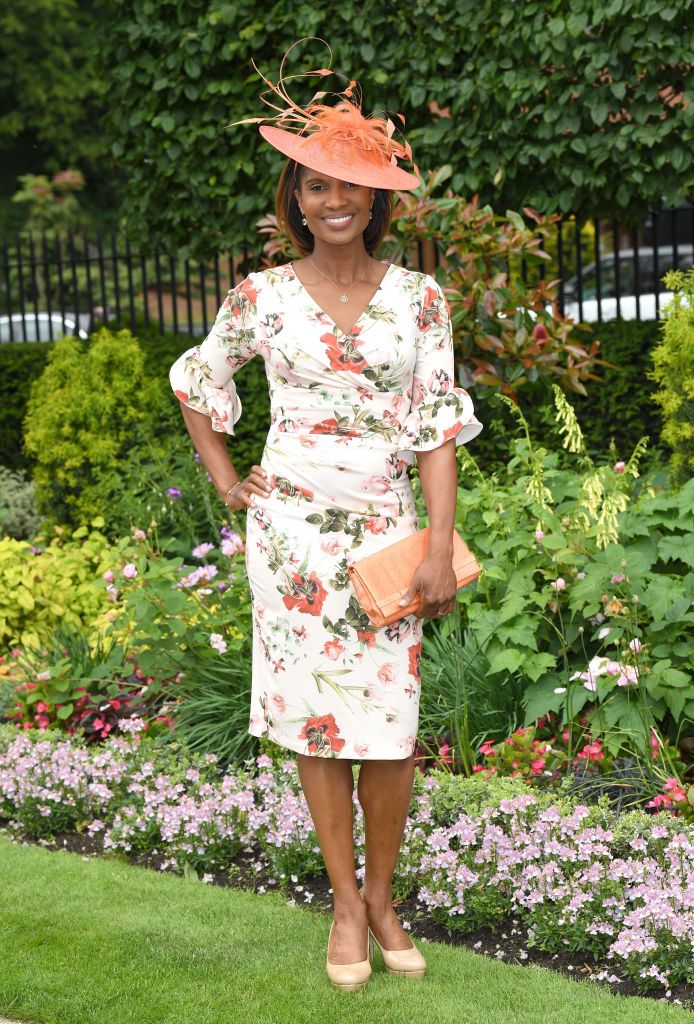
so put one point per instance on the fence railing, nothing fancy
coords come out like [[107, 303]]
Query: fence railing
[[50, 288]]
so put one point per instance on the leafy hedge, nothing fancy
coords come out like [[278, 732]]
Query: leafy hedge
[[569, 107]]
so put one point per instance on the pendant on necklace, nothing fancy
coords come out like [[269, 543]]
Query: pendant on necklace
[[344, 298]]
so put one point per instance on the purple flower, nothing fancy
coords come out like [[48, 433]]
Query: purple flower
[[130, 571], [202, 549], [174, 493]]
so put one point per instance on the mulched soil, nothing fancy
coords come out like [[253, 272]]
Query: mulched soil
[[507, 942]]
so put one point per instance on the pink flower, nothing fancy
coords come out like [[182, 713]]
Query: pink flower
[[558, 584], [331, 547], [218, 642], [108, 576], [386, 674], [619, 467], [231, 545], [618, 577], [635, 645], [361, 749], [377, 484], [539, 535], [333, 648], [629, 676], [130, 571], [139, 535]]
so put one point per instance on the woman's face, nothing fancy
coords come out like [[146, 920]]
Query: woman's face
[[336, 211]]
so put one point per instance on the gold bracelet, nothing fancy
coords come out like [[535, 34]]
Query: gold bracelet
[[229, 490]]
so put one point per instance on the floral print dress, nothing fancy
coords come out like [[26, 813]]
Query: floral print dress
[[348, 412]]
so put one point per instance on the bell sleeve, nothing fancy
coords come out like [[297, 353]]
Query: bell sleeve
[[439, 410], [202, 376]]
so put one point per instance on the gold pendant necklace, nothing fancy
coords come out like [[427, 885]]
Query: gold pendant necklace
[[344, 297]]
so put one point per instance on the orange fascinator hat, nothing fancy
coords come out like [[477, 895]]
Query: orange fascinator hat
[[336, 139]]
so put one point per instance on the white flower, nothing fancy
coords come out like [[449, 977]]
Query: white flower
[[558, 584]]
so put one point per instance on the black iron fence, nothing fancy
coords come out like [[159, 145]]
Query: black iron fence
[[49, 288]]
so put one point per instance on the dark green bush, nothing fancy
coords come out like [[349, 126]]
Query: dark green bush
[[20, 364]]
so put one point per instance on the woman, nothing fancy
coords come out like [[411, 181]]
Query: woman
[[359, 361]]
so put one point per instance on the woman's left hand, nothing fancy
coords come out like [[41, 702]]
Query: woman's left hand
[[435, 583]]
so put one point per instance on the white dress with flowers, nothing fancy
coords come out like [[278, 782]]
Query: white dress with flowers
[[348, 411]]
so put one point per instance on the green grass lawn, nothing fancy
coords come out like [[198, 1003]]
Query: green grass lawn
[[100, 942]]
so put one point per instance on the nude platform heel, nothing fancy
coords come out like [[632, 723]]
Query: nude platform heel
[[406, 963], [350, 977]]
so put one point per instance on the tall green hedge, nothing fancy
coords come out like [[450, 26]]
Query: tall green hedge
[[580, 107]]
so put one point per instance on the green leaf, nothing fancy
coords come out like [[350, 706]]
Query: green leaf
[[508, 660]]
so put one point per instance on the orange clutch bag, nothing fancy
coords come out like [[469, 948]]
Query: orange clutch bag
[[382, 579]]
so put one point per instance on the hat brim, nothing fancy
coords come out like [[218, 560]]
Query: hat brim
[[338, 160]]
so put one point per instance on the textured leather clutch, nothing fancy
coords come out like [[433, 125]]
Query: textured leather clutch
[[382, 579]]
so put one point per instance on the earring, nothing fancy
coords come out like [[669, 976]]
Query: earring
[[303, 221], [371, 213]]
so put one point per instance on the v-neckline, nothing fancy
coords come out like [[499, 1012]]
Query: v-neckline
[[361, 316]]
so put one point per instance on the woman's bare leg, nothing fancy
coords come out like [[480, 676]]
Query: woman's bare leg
[[328, 786], [385, 792]]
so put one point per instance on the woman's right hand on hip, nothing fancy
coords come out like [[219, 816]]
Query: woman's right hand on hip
[[242, 494]]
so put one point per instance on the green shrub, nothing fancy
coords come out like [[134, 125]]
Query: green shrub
[[57, 585], [20, 364], [18, 516], [584, 602], [88, 408], [673, 360]]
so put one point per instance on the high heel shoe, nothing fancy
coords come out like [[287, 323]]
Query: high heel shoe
[[350, 977], [406, 963]]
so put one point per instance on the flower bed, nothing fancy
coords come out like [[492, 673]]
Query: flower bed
[[475, 850]]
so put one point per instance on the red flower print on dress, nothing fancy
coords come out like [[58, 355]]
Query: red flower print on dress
[[330, 426], [279, 703], [306, 593], [415, 653], [333, 648], [343, 352], [366, 637], [322, 733], [450, 432], [430, 312]]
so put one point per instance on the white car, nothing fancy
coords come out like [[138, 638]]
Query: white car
[[630, 307], [35, 327]]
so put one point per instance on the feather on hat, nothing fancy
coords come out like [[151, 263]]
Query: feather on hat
[[338, 139]]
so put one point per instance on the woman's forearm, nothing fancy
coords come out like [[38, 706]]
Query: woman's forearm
[[211, 446], [438, 474]]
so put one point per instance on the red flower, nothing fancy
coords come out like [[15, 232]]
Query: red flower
[[430, 312], [366, 637], [308, 594], [322, 734], [540, 334], [450, 432], [246, 288], [342, 352], [415, 653], [330, 427]]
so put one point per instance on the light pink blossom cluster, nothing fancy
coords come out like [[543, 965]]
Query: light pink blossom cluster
[[580, 878], [575, 883]]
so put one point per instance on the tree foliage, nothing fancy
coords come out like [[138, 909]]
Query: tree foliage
[[582, 107], [50, 88]]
